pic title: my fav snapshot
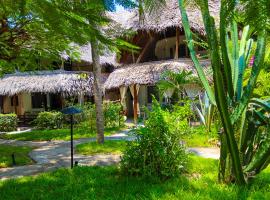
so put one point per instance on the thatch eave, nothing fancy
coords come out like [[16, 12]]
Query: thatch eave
[[68, 83], [149, 73]]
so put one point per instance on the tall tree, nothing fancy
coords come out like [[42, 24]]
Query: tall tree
[[87, 17], [25, 40]]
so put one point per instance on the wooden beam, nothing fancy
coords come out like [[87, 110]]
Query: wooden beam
[[177, 40], [146, 47], [135, 102]]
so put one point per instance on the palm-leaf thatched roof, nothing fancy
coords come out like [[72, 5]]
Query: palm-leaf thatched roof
[[149, 73], [85, 54], [68, 83], [169, 16]]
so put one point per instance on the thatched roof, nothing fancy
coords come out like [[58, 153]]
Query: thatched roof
[[169, 16], [68, 83], [149, 73], [85, 55]]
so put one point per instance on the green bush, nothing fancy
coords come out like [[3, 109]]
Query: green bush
[[178, 118], [112, 115], [8, 122], [157, 151], [49, 120]]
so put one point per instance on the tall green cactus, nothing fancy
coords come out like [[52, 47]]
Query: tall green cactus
[[232, 100]]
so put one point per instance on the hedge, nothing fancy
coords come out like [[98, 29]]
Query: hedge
[[49, 120], [8, 122]]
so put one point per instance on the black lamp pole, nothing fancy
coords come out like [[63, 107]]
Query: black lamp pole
[[71, 139], [71, 111]]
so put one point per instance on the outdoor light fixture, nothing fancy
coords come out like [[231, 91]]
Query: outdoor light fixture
[[71, 111]]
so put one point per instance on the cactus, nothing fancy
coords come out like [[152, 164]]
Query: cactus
[[245, 148]]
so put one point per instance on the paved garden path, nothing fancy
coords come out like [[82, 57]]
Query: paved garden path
[[51, 155]]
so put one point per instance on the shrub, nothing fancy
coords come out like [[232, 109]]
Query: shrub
[[157, 151], [178, 118], [111, 110], [8, 122], [49, 120], [112, 115]]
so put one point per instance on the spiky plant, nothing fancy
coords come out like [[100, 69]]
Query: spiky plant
[[243, 152]]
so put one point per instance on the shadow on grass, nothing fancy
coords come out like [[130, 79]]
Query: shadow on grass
[[107, 183]]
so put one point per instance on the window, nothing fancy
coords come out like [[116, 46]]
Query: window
[[38, 100], [14, 101]]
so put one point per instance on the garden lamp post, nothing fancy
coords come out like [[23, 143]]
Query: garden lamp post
[[71, 111]]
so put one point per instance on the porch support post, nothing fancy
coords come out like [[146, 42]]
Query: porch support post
[[135, 104], [48, 101], [177, 44], [81, 98]]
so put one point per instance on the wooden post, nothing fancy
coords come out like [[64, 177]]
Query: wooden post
[[177, 44], [135, 102]]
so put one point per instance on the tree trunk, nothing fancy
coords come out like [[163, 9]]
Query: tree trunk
[[135, 102], [98, 92]]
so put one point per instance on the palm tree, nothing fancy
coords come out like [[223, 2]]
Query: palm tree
[[175, 81]]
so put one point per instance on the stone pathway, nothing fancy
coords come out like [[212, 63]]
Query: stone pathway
[[51, 155], [206, 152]]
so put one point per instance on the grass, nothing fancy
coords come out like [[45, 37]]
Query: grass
[[56, 134], [109, 146], [199, 137], [107, 183], [21, 155]]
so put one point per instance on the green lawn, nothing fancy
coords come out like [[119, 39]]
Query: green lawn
[[57, 134], [91, 148], [21, 155], [108, 183], [200, 138]]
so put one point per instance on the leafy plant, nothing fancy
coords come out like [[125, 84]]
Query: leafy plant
[[112, 114], [178, 117], [156, 151], [49, 120], [8, 122], [176, 82]]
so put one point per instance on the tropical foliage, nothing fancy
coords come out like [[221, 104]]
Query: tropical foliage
[[172, 82], [232, 99], [25, 40], [148, 156]]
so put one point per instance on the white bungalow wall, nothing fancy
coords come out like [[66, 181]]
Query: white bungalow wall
[[24, 105], [164, 46]]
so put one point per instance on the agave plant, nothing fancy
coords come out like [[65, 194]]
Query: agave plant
[[206, 111], [245, 139]]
